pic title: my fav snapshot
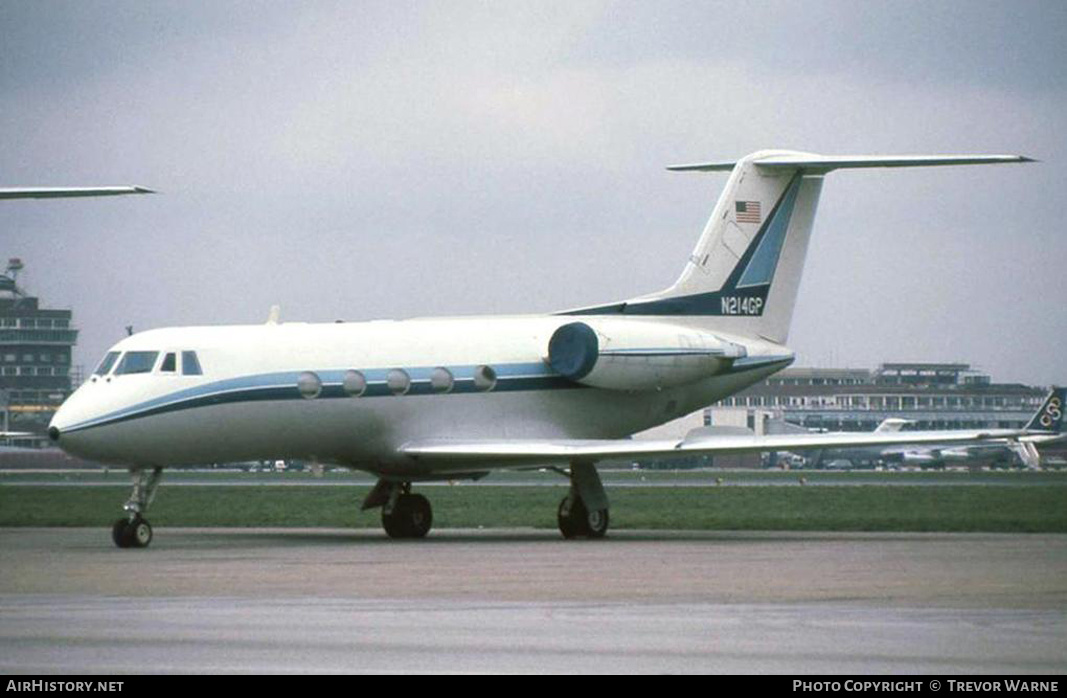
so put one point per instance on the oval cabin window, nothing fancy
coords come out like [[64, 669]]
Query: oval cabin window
[[441, 380], [355, 383], [309, 385], [484, 378], [398, 381]]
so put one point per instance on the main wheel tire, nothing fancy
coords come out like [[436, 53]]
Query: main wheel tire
[[575, 521], [118, 533], [569, 517], [411, 517], [394, 524], [419, 515]]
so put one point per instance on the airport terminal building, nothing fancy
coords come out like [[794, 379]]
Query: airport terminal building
[[36, 346], [934, 395]]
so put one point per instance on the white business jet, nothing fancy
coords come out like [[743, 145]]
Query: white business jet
[[430, 399]]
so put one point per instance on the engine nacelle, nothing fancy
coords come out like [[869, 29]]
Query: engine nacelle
[[634, 355]]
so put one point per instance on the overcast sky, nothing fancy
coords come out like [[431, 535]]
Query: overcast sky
[[391, 159]]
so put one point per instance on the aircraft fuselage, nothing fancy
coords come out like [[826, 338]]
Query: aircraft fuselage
[[352, 393]]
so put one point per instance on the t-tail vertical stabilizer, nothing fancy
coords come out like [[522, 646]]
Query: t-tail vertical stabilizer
[[743, 275], [1050, 416]]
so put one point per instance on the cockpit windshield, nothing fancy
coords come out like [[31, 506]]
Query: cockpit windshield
[[105, 366], [137, 362], [191, 364]]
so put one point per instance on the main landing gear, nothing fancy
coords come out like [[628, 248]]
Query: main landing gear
[[583, 513], [404, 515], [133, 530]]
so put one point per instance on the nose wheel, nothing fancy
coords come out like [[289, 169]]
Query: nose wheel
[[132, 534]]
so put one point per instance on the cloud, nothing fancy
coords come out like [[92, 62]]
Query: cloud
[[391, 159]]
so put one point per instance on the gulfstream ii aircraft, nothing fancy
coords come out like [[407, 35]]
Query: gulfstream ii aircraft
[[449, 398]]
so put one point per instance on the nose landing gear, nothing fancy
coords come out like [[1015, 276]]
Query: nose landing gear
[[134, 531]]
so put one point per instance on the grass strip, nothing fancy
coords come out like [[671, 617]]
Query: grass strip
[[844, 508]]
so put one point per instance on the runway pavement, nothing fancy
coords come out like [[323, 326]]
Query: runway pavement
[[524, 601]]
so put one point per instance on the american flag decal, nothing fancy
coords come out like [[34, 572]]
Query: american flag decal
[[747, 211]]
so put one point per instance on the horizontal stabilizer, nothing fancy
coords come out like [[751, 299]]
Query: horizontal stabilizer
[[827, 163], [65, 192]]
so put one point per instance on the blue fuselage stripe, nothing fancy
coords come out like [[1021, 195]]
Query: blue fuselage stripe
[[273, 387]]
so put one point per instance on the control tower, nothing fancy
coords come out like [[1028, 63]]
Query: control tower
[[36, 346]]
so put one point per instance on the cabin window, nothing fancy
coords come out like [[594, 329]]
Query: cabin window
[[441, 380], [106, 365], [170, 363], [137, 362], [190, 364], [484, 378], [355, 383], [399, 381], [309, 385]]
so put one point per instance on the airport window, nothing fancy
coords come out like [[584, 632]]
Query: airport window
[[190, 364], [105, 366], [170, 363], [484, 378], [355, 383], [399, 381], [441, 380], [309, 385], [137, 362]]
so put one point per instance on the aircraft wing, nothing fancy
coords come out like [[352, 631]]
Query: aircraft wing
[[518, 452], [64, 192]]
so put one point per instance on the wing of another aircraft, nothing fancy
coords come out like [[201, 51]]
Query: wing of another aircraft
[[66, 192], [516, 453]]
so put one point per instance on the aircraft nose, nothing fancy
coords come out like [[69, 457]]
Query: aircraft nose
[[57, 428]]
